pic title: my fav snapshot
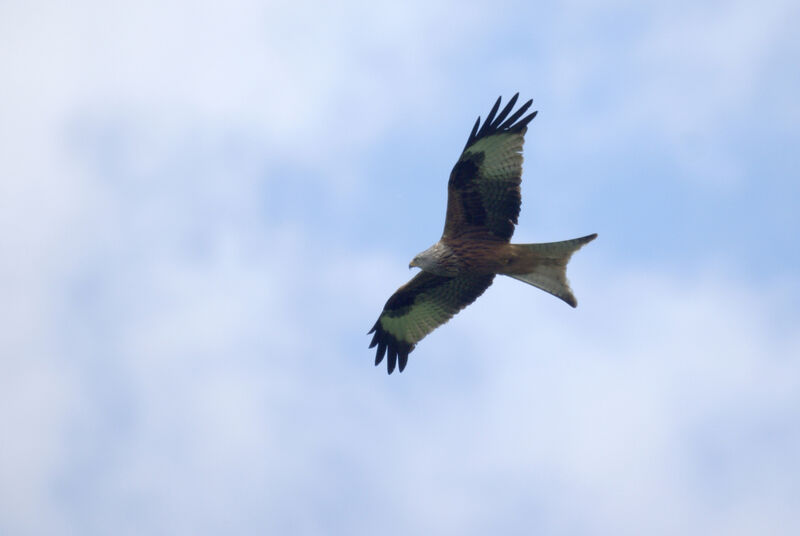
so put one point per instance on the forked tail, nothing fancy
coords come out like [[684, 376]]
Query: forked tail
[[545, 265]]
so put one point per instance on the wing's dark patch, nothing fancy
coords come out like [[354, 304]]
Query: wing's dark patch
[[511, 204], [501, 123], [474, 211], [464, 183], [502, 202], [402, 300], [466, 171]]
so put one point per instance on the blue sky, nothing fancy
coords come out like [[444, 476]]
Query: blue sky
[[203, 208]]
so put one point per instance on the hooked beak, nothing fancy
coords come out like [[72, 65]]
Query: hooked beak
[[411, 265]]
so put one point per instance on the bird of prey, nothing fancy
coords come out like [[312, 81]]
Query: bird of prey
[[483, 202]]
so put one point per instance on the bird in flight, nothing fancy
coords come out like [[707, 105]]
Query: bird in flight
[[483, 202]]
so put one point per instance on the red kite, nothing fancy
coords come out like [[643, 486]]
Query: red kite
[[483, 202]]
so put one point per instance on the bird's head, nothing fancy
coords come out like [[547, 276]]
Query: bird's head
[[430, 260], [424, 260]]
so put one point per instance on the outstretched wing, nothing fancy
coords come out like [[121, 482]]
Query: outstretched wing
[[483, 196], [417, 308]]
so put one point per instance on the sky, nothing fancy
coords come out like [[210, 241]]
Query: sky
[[205, 205]]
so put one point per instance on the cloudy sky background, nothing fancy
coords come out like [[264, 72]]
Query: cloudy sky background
[[204, 206]]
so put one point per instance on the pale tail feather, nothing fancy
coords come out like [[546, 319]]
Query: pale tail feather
[[549, 266]]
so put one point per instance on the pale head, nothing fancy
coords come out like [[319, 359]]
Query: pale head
[[434, 260]]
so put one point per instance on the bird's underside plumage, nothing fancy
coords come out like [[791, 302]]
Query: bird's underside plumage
[[483, 205]]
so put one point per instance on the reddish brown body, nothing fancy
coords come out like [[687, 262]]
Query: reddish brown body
[[491, 257]]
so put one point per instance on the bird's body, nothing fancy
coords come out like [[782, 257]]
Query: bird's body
[[458, 256], [483, 205]]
